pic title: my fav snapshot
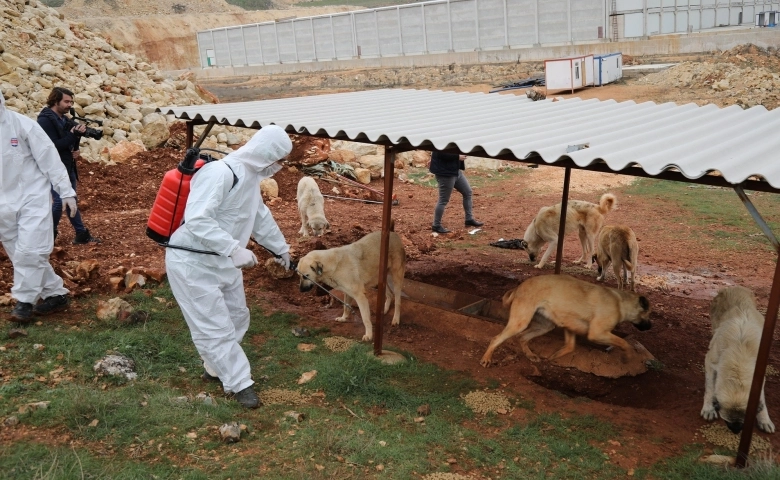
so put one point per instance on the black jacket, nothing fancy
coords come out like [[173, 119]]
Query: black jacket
[[446, 164], [63, 139]]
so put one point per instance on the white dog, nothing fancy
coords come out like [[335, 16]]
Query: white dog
[[311, 207], [731, 359]]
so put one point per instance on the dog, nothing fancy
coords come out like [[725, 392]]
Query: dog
[[617, 245], [353, 269], [731, 359], [543, 302], [585, 217], [311, 207]]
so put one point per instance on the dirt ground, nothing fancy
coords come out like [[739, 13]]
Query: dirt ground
[[657, 412]]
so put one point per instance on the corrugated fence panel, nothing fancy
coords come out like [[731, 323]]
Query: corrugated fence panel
[[437, 28], [365, 31], [204, 45], [343, 34], [304, 41], [254, 51], [553, 21], [463, 17], [221, 48], [587, 17], [236, 45], [268, 41], [323, 36], [491, 24], [389, 39], [521, 17], [286, 40], [412, 30]]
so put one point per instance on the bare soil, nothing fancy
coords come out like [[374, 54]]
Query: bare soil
[[657, 412]]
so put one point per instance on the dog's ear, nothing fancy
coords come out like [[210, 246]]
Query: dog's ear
[[318, 268], [644, 303], [523, 245]]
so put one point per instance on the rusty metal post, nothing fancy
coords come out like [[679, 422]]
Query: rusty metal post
[[387, 206], [562, 226], [760, 371], [190, 135]]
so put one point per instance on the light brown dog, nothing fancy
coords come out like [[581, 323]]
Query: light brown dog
[[584, 217], [617, 245], [541, 303], [731, 360], [311, 206], [353, 269]]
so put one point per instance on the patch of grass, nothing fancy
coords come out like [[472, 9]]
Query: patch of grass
[[688, 467], [718, 214], [253, 4], [53, 3], [357, 3]]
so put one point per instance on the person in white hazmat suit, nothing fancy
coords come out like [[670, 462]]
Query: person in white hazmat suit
[[29, 162], [223, 209]]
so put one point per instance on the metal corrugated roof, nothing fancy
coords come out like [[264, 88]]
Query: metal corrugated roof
[[656, 137]]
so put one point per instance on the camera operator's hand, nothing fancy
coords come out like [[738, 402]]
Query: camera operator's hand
[[69, 203], [79, 129], [76, 154]]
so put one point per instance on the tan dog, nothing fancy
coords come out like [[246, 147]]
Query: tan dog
[[311, 206], [353, 269], [541, 303], [584, 217], [617, 245], [731, 359]]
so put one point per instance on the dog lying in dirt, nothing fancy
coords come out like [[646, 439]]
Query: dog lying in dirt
[[731, 360], [541, 303], [311, 206], [584, 217], [353, 269], [617, 245]]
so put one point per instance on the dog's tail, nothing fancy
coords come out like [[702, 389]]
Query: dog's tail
[[607, 203], [508, 297], [626, 257]]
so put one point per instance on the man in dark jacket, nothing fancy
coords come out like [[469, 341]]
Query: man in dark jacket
[[53, 121], [448, 168]]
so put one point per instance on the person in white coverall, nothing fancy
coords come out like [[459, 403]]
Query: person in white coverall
[[29, 165], [223, 209]]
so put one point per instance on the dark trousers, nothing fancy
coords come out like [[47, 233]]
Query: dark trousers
[[446, 186], [56, 209]]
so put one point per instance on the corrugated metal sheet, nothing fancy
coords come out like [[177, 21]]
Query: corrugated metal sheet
[[657, 137]]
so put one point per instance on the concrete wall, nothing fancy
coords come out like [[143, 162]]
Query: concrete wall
[[659, 45]]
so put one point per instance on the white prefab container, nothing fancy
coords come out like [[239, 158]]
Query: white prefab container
[[607, 68], [568, 73]]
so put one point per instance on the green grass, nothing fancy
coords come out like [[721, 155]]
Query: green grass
[[253, 4], [717, 214], [357, 3], [362, 420]]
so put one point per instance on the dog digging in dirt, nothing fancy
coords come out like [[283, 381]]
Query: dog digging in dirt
[[543, 302], [353, 269], [584, 217], [617, 245], [731, 360], [311, 206]]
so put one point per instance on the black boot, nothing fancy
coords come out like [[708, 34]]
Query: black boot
[[22, 312], [248, 398], [83, 238], [55, 303]]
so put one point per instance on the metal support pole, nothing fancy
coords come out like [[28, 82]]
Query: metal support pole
[[757, 217], [190, 135], [425, 32], [387, 206], [400, 31], [313, 39], [260, 45], [449, 25], [562, 226], [760, 371], [506, 26]]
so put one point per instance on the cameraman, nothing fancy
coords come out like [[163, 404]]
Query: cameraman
[[54, 122]]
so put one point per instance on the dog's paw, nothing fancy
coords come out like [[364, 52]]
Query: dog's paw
[[367, 338], [395, 323], [342, 319], [485, 362], [534, 358], [709, 413], [539, 266], [766, 426]]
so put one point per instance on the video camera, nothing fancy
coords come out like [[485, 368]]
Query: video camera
[[91, 132]]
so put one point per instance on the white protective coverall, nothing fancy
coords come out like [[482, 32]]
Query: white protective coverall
[[29, 167], [220, 217]]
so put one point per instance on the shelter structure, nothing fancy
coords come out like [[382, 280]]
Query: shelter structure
[[728, 147]]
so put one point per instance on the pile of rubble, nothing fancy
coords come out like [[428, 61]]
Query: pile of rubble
[[40, 49], [746, 76]]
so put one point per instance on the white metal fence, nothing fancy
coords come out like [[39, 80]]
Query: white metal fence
[[462, 26]]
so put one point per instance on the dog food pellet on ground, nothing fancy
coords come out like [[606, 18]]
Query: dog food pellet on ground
[[484, 402], [718, 434], [446, 476], [339, 344], [280, 396]]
